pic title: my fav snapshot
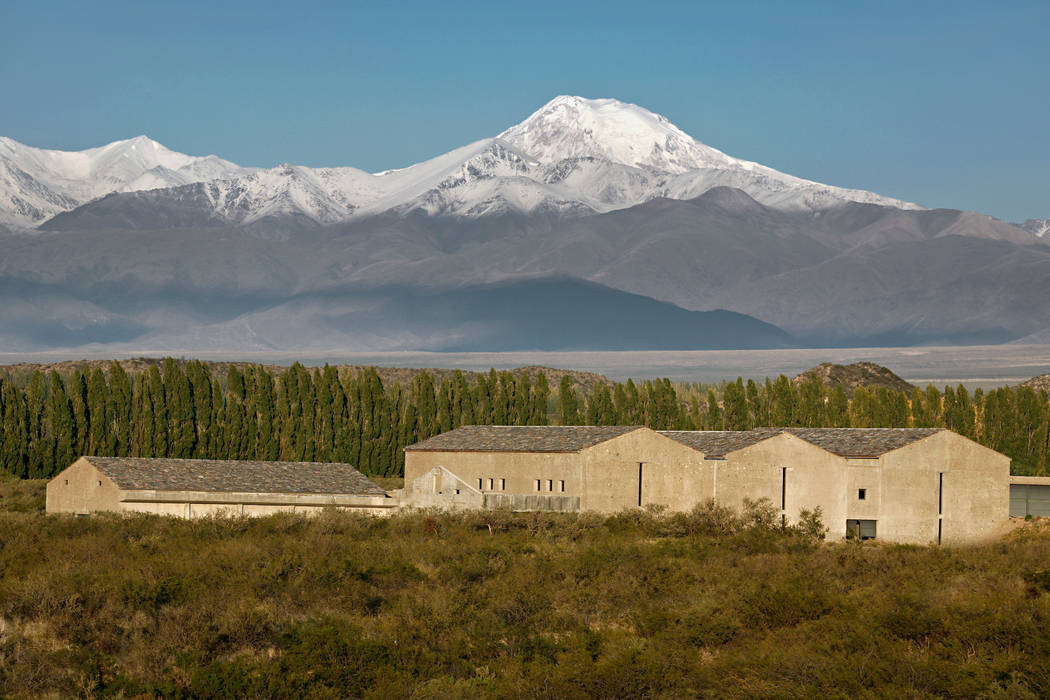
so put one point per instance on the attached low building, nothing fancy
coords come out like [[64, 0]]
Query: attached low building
[[195, 487], [902, 485]]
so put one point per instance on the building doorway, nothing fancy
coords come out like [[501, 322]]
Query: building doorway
[[860, 529]]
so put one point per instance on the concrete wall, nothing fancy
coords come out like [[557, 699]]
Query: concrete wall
[[80, 488], [813, 477], [439, 488], [900, 487], [196, 504], [672, 475], [519, 471], [975, 498]]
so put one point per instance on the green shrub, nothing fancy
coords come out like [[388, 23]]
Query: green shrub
[[638, 604]]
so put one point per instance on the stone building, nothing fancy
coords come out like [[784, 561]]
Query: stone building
[[902, 485], [196, 487]]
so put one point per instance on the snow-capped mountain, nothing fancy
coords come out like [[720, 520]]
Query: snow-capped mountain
[[1039, 227], [36, 184], [573, 156]]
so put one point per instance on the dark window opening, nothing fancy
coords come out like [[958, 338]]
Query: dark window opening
[[783, 496], [862, 494], [860, 529], [940, 493]]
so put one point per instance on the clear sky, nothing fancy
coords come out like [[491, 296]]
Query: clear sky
[[943, 103]]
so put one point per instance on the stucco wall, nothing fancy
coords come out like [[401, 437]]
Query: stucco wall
[[519, 470], [976, 496], [814, 478], [439, 488], [672, 475], [80, 488]]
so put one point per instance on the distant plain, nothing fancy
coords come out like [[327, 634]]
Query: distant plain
[[984, 366]]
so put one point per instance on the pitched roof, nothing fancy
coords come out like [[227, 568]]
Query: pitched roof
[[845, 442], [718, 443], [235, 476], [527, 438], [862, 442]]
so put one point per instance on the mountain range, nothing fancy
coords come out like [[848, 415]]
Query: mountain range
[[591, 224]]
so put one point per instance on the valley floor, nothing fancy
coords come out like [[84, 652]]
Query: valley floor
[[983, 366], [493, 604]]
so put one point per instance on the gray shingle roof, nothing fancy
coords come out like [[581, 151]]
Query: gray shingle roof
[[718, 443], [845, 442], [235, 476], [529, 438], [862, 442]]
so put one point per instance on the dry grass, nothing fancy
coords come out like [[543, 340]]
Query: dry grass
[[21, 495], [502, 605]]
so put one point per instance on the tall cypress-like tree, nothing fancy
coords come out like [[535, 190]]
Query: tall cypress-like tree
[[39, 450], [712, 413], [182, 428], [78, 400], [159, 401], [120, 409], [100, 437], [14, 440], [540, 395], [568, 403], [735, 402], [62, 427]]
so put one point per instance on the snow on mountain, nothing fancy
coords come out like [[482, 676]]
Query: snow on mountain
[[1040, 227], [575, 127], [36, 183], [570, 127], [572, 156]]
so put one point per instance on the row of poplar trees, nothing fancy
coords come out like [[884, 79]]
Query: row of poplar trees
[[190, 411]]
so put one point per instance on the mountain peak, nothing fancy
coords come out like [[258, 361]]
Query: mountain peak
[[577, 127]]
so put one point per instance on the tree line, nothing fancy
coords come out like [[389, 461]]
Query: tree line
[[322, 415]]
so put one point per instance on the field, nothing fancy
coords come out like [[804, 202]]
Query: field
[[494, 604]]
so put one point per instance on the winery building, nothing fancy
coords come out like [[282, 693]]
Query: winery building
[[195, 487], [901, 485]]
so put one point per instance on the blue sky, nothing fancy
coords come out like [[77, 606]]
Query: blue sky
[[944, 103]]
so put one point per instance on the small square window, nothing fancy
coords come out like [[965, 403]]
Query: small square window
[[457, 492], [100, 483], [67, 482], [862, 494]]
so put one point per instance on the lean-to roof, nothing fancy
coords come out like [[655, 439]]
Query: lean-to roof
[[235, 476]]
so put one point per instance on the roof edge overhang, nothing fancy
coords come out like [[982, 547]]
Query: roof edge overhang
[[256, 498]]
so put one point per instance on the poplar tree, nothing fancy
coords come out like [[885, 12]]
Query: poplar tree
[[120, 410], [568, 404], [62, 429], [101, 439]]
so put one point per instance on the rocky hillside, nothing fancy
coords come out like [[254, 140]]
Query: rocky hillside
[[855, 375], [1040, 383]]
